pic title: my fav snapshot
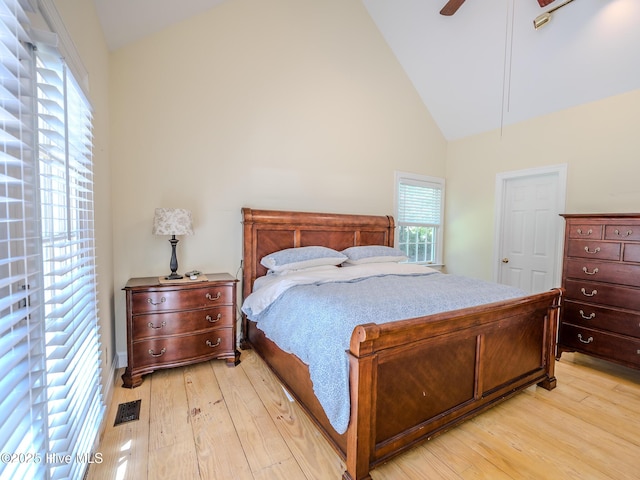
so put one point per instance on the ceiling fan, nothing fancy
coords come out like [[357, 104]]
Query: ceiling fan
[[452, 6]]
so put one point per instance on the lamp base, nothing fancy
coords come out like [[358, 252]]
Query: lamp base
[[173, 264]]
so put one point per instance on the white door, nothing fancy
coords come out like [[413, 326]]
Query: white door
[[530, 228]]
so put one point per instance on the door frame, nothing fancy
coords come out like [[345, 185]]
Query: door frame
[[501, 182]]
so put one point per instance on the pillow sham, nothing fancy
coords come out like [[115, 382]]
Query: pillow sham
[[373, 254], [301, 257]]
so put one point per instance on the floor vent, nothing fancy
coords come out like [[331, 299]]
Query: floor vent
[[128, 412]]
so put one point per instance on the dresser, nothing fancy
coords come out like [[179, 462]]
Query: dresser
[[600, 315], [173, 324]]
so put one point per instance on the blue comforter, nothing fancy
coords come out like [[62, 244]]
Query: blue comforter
[[315, 320]]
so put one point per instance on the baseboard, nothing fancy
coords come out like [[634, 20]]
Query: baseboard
[[113, 376], [122, 359]]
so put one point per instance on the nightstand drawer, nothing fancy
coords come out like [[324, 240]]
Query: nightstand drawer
[[174, 350], [164, 299], [175, 323], [602, 344]]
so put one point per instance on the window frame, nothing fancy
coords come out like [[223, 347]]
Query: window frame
[[426, 182]]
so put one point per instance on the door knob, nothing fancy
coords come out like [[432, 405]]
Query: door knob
[[505, 260]]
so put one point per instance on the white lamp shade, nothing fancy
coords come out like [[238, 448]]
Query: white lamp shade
[[172, 221]]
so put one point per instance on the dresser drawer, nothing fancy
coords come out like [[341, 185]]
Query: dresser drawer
[[610, 272], [585, 231], [594, 250], [592, 316], [161, 299], [174, 350], [622, 232], [631, 253], [606, 345], [603, 294], [175, 323]]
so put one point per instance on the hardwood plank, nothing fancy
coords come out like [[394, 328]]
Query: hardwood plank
[[218, 449], [413, 465], [172, 452], [261, 441], [456, 452], [176, 461], [124, 448], [527, 439], [314, 454]]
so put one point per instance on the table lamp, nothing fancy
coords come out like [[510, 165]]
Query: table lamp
[[172, 221]]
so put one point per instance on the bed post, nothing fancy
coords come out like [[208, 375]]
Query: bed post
[[248, 269], [362, 424], [551, 332]]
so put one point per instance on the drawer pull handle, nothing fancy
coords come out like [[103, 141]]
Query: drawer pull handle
[[596, 250], [162, 300], [154, 354], [588, 340], [586, 270], [151, 325], [213, 345], [209, 297], [592, 294], [214, 320], [588, 232], [587, 317], [626, 234]]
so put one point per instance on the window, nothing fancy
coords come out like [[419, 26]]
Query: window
[[49, 341], [74, 395], [22, 353], [419, 213]]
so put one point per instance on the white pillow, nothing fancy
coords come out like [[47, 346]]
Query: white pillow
[[373, 254], [301, 257]]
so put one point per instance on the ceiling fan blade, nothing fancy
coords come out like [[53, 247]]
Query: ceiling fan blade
[[544, 3], [451, 7]]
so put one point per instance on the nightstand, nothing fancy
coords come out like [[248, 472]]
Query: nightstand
[[174, 324]]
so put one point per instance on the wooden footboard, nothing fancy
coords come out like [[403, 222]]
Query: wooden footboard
[[414, 379]]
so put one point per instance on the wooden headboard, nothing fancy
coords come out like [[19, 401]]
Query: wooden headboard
[[267, 231]]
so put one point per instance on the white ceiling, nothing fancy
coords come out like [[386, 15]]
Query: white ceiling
[[481, 69]]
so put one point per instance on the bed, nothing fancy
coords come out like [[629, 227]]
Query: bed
[[410, 379]]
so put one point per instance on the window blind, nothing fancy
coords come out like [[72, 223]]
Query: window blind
[[23, 413], [74, 397], [419, 203]]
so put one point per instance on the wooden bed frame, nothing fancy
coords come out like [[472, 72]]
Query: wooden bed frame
[[411, 379]]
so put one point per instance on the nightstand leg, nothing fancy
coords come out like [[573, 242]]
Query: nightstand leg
[[131, 381], [235, 360]]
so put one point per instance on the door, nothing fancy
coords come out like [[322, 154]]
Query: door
[[530, 230]]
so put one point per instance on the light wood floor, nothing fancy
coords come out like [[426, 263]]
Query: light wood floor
[[209, 421]]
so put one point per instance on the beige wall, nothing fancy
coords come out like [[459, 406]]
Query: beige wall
[[282, 104], [599, 142], [81, 22]]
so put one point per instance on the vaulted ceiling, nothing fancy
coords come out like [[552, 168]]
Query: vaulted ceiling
[[481, 69]]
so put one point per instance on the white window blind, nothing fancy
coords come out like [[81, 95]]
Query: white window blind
[[23, 414], [75, 405], [50, 400], [419, 212]]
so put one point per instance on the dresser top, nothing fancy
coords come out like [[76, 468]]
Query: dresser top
[[600, 215], [155, 281]]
